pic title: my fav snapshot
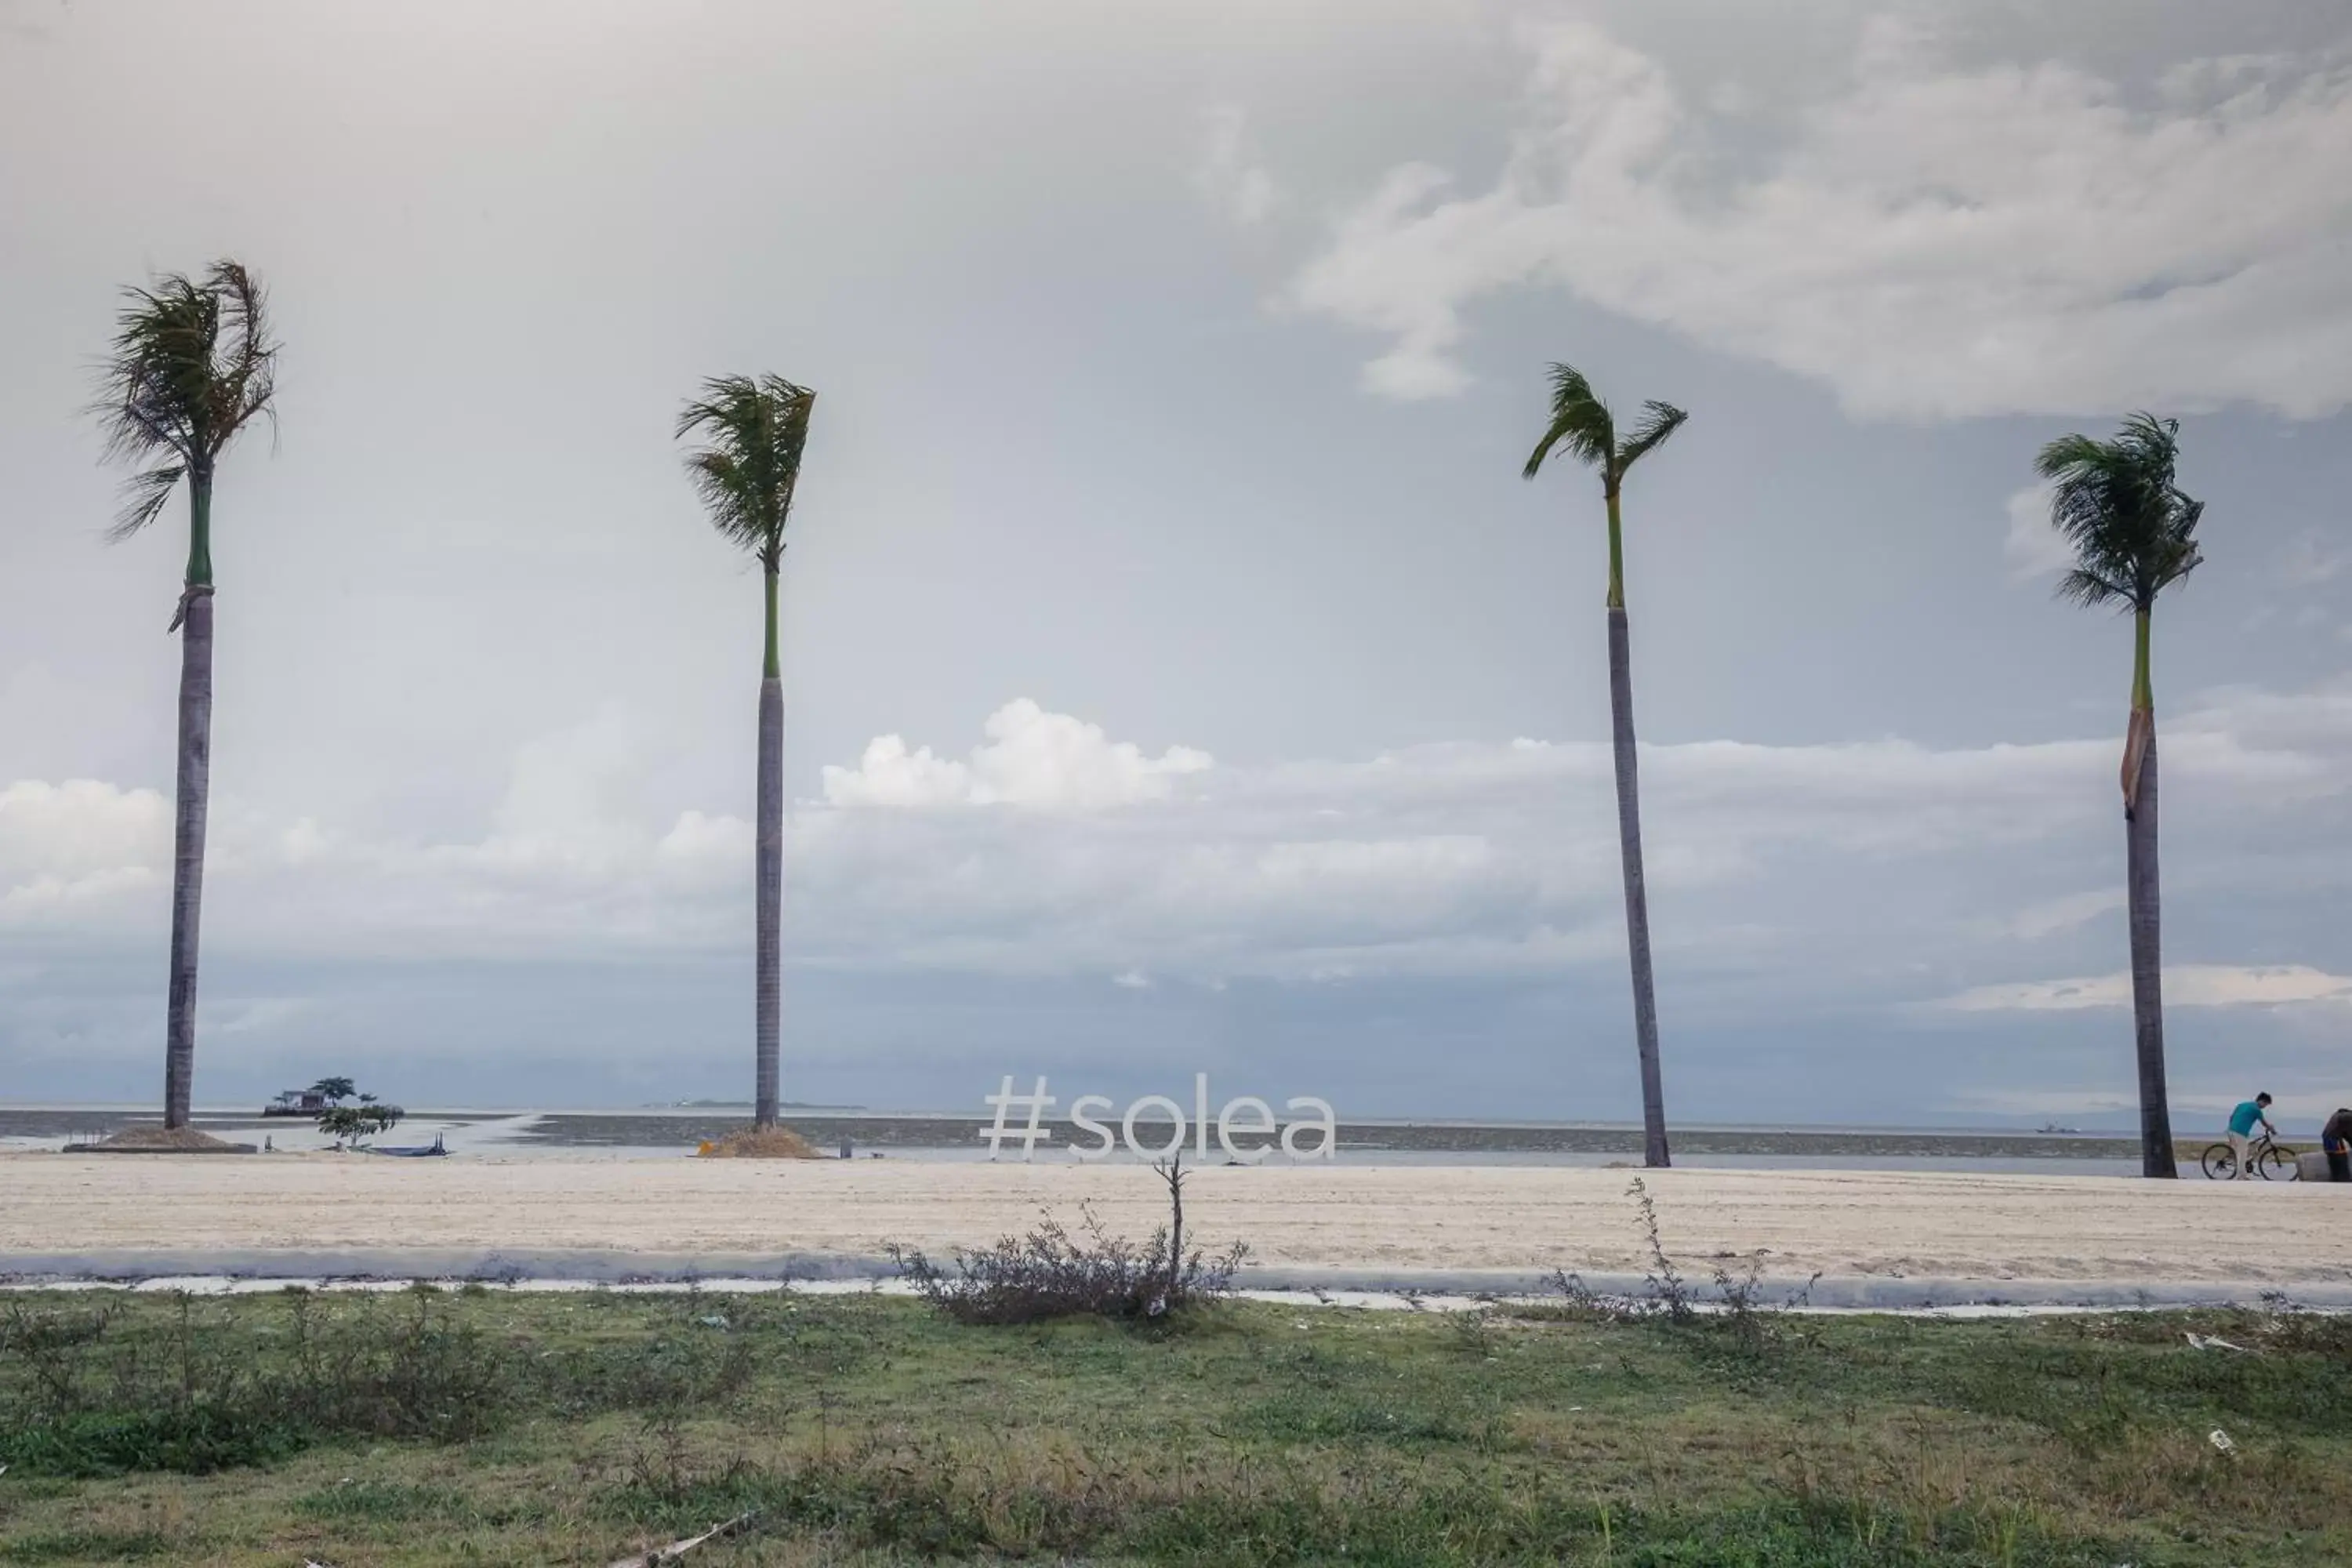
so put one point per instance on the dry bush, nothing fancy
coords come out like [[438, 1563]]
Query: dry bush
[[1050, 1274]]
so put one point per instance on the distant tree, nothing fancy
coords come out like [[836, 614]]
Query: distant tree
[[1582, 426], [191, 366], [348, 1123], [333, 1088], [2133, 535], [757, 428]]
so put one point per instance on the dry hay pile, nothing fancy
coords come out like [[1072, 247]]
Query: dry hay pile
[[762, 1143], [153, 1137]]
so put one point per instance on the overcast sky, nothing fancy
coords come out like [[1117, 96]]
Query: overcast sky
[[1179, 675]]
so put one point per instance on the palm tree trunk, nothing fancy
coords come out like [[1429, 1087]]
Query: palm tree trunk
[[2147, 967], [769, 872], [1637, 901], [195, 622]]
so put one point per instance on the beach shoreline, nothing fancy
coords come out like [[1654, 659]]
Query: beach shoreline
[[1873, 1238]]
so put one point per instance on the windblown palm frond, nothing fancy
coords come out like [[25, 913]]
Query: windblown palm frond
[[757, 430], [190, 365], [1582, 426], [1579, 422], [1659, 420], [2133, 531]]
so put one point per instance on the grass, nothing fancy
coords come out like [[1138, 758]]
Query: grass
[[486, 1427]]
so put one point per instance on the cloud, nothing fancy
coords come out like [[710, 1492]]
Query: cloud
[[1852, 875], [2056, 915], [1034, 758], [2032, 548], [2026, 237], [72, 846], [1225, 173], [2185, 985], [258, 1015]]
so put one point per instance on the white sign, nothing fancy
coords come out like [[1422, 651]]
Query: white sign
[[1246, 1116]]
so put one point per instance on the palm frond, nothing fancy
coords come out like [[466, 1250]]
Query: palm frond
[[2083, 586], [191, 364], [756, 430], [249, 361], [1579, 422], [1659, 420], [148, 387], [144, 495], [2133, 531]]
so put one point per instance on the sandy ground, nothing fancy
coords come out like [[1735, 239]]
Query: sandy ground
[[200, 1213]]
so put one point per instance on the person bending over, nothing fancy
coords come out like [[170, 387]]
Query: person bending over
[[2241, 1131], [2336, 1138]]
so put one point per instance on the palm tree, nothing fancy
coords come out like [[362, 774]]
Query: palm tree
[[192, 365], [1582, 426], [757, 428], [2133, 535]]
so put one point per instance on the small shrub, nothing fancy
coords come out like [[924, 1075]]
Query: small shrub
[[1737, 1308], [1049, 1274]]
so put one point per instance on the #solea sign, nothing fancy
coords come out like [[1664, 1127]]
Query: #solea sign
[[1246, 1116]]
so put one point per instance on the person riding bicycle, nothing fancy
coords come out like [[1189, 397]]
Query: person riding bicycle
[[2241, 1131], [2336, 1138]]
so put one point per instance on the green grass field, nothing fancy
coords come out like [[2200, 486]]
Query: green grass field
[[483, 1426]]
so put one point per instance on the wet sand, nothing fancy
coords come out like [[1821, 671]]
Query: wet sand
[[1975, 1237]]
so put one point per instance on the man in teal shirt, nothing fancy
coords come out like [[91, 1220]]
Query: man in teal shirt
[[2241, 1130]]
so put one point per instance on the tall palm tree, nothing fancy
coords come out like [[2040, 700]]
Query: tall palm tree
[[2133, 535], [756, 429], [191, 366], [1582, 426]]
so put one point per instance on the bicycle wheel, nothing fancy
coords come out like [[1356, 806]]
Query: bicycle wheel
[[2275, 1164], [2221, 1163]]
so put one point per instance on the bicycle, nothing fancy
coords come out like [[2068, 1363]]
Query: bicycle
[[2270, 1162]]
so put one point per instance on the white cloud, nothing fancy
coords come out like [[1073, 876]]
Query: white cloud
[[698, 840], [1034, 758], [2032, 548], [2023, 238], [68, 848], [1831, 871], [1225, 173], [2185, 985]]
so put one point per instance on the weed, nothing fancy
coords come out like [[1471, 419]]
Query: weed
[[1048, 1274]]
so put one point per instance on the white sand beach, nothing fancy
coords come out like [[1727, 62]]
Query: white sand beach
[[222, 1212]]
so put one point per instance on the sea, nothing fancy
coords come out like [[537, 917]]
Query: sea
[[675, 1132]]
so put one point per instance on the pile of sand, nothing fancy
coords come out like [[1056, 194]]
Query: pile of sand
[[757, 1143], [152, 1137]]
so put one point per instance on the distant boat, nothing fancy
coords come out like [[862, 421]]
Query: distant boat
[[2053, 1127], [297, 1102], [413, 1151]]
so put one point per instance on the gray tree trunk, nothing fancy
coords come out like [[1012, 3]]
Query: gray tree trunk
[[1637, 898], [188, 850], [770, 872], [2147, 969]]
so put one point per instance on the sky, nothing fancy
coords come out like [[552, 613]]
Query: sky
[[1180, 676]]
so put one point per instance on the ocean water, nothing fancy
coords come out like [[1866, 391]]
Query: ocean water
[[655, 1134]]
